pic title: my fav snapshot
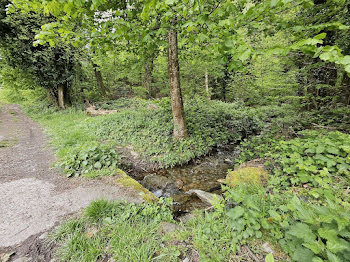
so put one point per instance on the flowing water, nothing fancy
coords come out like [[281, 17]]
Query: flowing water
[[202, 174]]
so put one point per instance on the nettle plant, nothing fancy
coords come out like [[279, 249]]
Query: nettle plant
[[306, 231], [317, 233], [87, 158]]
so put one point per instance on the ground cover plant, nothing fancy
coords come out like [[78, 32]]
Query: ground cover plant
[[209, 124], [86, 145], [249, 216], [315, 162]]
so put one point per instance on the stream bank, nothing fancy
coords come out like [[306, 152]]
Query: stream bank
[[200, 174]]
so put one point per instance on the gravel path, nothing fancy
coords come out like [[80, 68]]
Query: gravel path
[[34, 197]]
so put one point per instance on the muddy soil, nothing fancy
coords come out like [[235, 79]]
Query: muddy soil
[[34, 196]]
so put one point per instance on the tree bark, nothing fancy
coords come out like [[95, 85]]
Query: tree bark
[[180, 130], [99, 80], [207, 83], [226, 78], [52, 96], [60, 91], [148, 75]]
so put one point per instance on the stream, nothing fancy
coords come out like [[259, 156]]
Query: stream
[[200, 174]]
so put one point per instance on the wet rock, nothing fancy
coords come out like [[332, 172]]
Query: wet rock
[[158, 193], [204, 196], [154, 182], [125, 180], [185, 218], [181, 198], [228, 161], [167, 227], [160, 185]]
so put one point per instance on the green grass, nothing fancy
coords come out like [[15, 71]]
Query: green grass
[[8, 143], [117, 230]]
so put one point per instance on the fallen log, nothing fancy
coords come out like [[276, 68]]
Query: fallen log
[[92, 111]]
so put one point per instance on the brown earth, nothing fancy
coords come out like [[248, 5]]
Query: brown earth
[[35, 196]]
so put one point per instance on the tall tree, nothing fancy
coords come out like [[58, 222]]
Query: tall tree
[[53, 67], [223, 22]]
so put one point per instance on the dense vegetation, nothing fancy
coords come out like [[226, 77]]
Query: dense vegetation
[[185, 78]]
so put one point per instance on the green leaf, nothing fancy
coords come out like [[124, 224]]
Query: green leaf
[[269, 258], [258, 234], [347, 68], [321, 36], [302, 254], [333, 150], [274, 215], [274, 3], [327, 233], [332, 257], [97, 165], [170, 2], [236, 212], [302, 231], [317, 259], [320, 149], [336, 245], [345, 60], [315, 247]]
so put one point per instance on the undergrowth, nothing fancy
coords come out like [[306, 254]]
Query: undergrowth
[[116, 231], [147, 130]]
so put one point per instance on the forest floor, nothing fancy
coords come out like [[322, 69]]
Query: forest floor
[[34, 196]]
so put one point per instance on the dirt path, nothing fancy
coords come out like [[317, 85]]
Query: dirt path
[[34, 197]]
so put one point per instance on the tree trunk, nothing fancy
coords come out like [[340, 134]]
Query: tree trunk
[[174, 84], [226, 78], [207, 83], [148, 75], [99, 80], [60, 92], [52, 97]]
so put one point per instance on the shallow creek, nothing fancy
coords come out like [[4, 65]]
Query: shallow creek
[[202, 174]]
